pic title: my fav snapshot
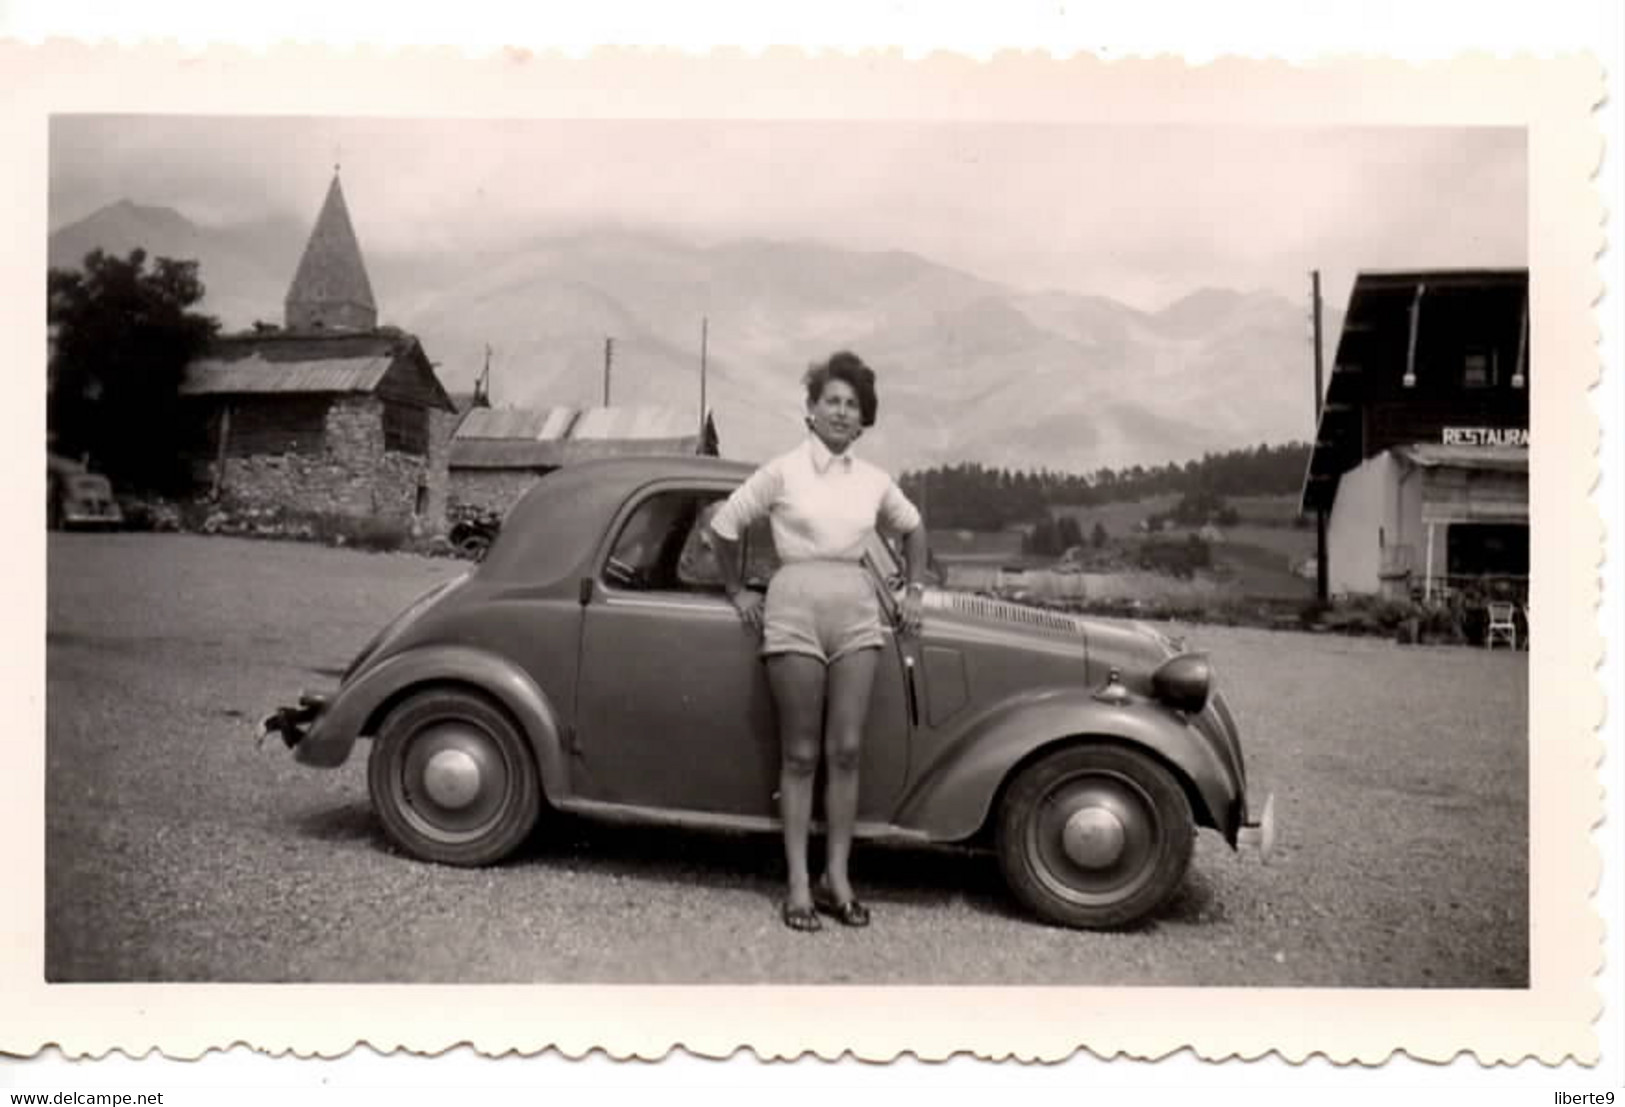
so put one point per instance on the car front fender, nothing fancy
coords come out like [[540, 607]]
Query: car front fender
[[360, 706], [951, 800]]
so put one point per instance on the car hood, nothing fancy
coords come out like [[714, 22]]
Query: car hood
[[964, 618], [1129, 646], [967, 607]]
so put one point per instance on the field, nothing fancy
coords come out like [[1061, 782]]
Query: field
[[177, 850], [1253, 560]]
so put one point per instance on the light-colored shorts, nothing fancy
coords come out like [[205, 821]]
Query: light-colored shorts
[[824, 609]]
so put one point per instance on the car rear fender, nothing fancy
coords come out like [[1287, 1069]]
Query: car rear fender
[[360, 706], [952, 801]]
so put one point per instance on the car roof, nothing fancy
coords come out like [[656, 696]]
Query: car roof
[[562, 517]]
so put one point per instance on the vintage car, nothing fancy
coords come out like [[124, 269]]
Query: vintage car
[[591, 664], [76, 497]]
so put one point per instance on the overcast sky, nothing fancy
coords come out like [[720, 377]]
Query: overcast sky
[[1140, 214]]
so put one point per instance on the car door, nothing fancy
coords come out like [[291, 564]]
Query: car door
[[673, 705]]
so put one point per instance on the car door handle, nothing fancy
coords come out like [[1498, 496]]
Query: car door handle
[[913, 690]]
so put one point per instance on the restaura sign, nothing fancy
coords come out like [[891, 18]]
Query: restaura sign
[[1486, 436]]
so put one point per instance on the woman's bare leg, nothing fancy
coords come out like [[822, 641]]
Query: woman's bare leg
[[797, 682], [850, 679]]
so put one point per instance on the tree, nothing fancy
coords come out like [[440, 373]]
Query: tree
[[1068, 533], [1045, 539], [123, 334]]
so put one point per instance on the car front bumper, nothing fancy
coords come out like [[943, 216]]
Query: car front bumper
[[294, 724], [92, 517], [1259, 834]]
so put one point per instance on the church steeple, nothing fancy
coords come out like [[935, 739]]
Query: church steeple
[[330, 290]]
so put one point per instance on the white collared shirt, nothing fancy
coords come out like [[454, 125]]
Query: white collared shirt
[[821, 505]]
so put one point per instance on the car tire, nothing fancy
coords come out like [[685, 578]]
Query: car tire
[[453, 779], [1095, 836]]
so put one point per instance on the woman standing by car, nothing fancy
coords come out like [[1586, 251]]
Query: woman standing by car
[[820, 622]]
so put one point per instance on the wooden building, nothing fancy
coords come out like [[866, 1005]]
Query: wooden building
[[1421, 455]]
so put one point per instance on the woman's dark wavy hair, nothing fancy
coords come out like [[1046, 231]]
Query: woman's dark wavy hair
[[849, 367]]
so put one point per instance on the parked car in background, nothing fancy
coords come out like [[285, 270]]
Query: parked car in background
[[591, 663], [76, 497]]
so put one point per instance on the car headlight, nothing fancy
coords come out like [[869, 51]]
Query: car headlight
[[1184, 682]]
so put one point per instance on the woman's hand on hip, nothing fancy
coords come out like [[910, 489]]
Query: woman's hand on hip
[[749, 606]]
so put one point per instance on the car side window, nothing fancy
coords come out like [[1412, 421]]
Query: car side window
[[697, 565], [645, 555]]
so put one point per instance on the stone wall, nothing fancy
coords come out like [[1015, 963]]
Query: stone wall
[[490, 489], [352, 475], [442, 425]]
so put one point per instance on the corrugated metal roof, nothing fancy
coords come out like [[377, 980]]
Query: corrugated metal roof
[[520, 438], [279, 345], [517, 423], [214, 376], [497, 453], [591, 449], [634, 422]]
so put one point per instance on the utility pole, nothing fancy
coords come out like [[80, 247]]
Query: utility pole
[[609, 361], [705, 336], [1322, 581]]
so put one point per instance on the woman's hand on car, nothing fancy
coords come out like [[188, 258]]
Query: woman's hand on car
[[911, 611], [749, 606]]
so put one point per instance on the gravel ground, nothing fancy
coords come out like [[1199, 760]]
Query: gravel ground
[[177, 850]]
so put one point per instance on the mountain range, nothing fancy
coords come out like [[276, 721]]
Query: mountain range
[[969, 369]]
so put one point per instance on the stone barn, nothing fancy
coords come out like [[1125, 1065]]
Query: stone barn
[[331, 413], [341, 424]]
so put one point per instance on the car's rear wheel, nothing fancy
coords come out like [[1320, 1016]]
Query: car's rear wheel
[[453, 780], [1095, 836]]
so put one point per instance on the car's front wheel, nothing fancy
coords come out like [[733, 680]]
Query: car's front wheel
[[1095, 836], [453, 779]]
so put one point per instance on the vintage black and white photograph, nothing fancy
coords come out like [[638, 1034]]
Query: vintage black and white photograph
[[787, 552]]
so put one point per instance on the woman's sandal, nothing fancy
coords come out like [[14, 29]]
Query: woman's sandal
[[804, 919], [850, 913]]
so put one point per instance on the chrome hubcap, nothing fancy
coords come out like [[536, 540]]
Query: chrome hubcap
[[452, 778], [454, 781], [1093, 837]]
